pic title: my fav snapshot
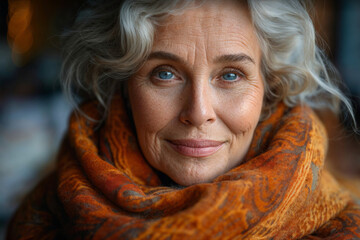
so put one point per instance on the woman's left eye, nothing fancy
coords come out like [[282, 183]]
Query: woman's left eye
[[230, 76]]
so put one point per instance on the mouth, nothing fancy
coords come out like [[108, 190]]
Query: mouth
[[196, 147]]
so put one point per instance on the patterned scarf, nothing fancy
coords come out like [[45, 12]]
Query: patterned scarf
[[103, 188]]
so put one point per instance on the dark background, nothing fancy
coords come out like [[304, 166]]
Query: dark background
[[34, 113]]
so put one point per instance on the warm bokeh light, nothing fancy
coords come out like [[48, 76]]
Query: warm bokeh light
[[23, 42], [20, 33]]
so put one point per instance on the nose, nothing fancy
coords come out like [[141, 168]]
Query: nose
[[198, 108]]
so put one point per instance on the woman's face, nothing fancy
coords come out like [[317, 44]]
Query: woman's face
[[198, 98]]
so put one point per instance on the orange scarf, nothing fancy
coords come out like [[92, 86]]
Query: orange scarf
[[104, 189]]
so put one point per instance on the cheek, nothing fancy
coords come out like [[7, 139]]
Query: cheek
[[147, 107], [241, 110]]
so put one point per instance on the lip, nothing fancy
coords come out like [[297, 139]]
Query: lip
[[196, 147]]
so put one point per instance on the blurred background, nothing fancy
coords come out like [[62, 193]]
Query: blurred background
[[34, 113]]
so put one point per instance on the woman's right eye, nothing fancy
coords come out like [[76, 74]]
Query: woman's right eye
[[165, 75]]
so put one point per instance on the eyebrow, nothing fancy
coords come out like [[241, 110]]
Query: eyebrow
[[165, 56], [234, 58], [220, 59]]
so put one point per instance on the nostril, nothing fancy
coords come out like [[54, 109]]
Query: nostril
[[211, 120], [196, 119], [187, 122]]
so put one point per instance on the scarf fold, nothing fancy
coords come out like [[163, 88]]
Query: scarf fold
[[104, 189]]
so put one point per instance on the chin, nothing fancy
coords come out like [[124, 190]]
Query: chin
[[192, 179]]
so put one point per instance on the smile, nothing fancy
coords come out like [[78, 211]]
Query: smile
[[196, 147]]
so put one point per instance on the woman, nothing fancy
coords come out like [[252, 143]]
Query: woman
[[204, 132]]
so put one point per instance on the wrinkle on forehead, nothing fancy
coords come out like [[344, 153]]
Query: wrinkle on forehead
[[205, 28]]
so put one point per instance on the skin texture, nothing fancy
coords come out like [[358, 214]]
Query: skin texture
[[198, 102]]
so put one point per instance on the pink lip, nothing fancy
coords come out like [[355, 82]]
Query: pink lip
[[196, 147]]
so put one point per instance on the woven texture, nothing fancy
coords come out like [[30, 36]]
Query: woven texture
[[104, 189]]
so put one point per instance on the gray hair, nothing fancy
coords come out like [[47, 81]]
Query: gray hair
[[111, 41]]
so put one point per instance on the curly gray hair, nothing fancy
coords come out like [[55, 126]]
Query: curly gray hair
[[112, 40]]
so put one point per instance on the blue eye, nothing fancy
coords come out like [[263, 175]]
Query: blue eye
[[165, 75], [230, 76]]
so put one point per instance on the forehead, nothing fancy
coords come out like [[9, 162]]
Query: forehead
[[219, 26]]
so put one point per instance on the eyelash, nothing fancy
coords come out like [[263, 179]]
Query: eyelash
[[240, 74]]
